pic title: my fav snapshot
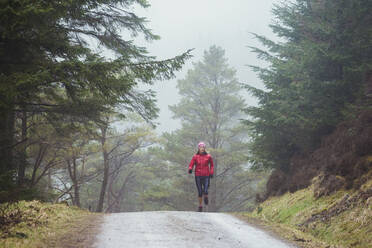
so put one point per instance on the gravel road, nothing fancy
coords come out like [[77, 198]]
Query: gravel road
[[181, 230]]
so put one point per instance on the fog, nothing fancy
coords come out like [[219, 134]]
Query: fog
[[198, 24]]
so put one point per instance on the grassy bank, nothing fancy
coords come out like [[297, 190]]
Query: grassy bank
[[343, 219], [36, 224]]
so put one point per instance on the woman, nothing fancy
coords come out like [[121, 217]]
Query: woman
[[203, 171]]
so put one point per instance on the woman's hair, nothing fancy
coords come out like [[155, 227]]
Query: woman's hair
[[198, 152]]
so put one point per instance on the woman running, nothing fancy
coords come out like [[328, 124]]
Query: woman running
[[203, 171]]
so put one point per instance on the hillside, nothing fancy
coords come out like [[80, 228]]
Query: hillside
[[341, 162], [325, 199], [36, 224], [343, 219]]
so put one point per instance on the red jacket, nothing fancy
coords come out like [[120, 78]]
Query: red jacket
[[202, 162]]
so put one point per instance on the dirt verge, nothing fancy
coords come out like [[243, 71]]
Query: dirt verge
[[289, 235], [81, 233]]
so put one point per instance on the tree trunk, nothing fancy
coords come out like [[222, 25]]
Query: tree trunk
[[76, 184], [215, 145], [214, 188], [104, 182], [49, 179], [105, 171], [23, 155], [116, 199], [110, 195], [72, 170], [121, 194], [6, 139], [76, 194]]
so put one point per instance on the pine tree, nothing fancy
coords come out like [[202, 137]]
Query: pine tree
[[48, 65], [209, 111], [316, 72]]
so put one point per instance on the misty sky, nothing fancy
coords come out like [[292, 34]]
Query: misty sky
[[198, 24]]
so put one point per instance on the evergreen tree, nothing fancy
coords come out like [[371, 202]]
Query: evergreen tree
[[48, 66], [316, 73], [209, 111]]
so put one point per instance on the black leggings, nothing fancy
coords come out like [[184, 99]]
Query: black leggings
[[202, 183]]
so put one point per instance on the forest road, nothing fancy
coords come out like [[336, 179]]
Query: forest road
[[181, 230]]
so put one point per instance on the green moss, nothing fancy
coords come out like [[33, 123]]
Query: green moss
[[286, 214], [351, 228]]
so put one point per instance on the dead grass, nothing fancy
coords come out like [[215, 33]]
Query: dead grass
[[284, 232], [328, 221], [36, 224], [79, 234]]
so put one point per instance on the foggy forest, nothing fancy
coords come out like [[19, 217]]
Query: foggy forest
[[103, 104]]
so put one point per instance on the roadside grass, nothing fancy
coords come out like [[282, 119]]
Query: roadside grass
[[288, 213], [36, 224]]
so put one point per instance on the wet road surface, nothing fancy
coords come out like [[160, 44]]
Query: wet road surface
[[181, 230]]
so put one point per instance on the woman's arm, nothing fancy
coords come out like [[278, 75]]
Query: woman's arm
[[212, 166], [192, 162]]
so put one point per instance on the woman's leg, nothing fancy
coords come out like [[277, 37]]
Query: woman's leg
[[199, 187], [205, 189]]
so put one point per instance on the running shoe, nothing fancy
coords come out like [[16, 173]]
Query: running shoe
[[200, 209]]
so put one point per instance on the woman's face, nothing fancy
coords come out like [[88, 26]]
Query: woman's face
[[201, 149]]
